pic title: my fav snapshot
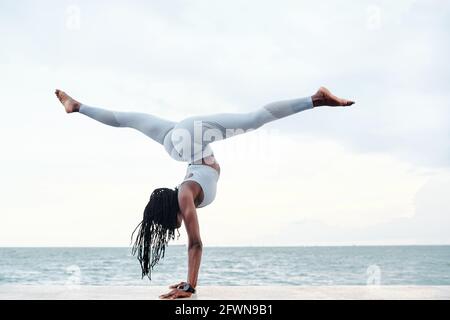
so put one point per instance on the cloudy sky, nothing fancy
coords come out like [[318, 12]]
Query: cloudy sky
[[375, 173]]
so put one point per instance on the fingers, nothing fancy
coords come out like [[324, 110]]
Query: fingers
[[175, 294], [165, 296], [168, 295], [180, 294]]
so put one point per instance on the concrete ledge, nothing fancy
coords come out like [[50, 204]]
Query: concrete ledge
[[12, 292]]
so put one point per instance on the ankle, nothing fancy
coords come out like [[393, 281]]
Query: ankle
[[317, 100], [76, 107]]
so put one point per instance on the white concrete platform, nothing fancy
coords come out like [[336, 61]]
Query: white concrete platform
[[11, 292]]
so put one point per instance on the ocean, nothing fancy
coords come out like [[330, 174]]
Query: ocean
[[232, 266]]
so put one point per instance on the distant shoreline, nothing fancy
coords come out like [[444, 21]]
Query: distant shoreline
[[245, 246]]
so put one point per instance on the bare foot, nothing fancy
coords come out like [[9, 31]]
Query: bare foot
[[70, 104], [323, 97]]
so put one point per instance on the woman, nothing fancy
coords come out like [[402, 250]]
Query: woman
[[189, 141]]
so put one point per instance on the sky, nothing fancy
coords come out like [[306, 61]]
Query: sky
[[375, 173]]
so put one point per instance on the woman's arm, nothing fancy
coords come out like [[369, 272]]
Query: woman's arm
[[195, 245], [189, 213]]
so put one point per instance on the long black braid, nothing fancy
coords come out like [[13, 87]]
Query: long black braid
[[156, 228]]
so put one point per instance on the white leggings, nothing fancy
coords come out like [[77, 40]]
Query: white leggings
[[189, 139]]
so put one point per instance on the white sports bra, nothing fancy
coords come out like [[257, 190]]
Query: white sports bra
[[207, 178]]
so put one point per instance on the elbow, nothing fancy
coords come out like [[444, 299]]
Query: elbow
[[196, 245]]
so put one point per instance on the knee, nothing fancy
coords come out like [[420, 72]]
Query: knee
[[116, 121], [258, 118]]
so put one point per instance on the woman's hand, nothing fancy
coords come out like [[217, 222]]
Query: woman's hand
[[176, 294], [174, 286]]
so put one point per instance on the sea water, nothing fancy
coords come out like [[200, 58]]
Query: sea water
[[350, 265]]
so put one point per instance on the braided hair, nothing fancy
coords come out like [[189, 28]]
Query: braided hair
[[156, 228]]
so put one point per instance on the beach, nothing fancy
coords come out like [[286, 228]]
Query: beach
[[18, 292]]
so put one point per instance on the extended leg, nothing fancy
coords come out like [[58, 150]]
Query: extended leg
[[224, 125], [191, 137], [230, 124], [239, 123], [152, 126]]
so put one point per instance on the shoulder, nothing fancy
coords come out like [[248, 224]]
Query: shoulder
[[187, 193]]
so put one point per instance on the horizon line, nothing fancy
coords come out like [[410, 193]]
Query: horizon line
[[242, 246]]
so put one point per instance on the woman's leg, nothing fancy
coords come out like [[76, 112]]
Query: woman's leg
[[230, 124], [152, 126], [193, 135], [189, 139]]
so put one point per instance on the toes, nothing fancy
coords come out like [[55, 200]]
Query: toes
[[58, 94], [348, 103]]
